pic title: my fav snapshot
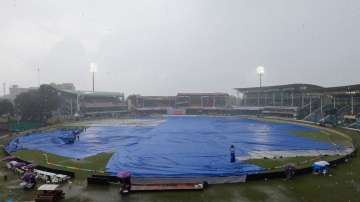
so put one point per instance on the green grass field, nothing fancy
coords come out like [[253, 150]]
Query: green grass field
[[96, 163], [305, 161], [298, 162], [343, 184], [325, 136], [99, 161]]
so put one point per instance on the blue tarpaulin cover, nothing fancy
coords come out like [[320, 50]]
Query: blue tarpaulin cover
[[176, 146]]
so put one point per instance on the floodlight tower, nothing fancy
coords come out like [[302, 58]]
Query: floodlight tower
[[4, 89], [93, 70], [38, 75], [260, 71]]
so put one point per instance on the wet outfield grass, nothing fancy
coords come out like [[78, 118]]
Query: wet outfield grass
[[298, 162], [169, 148], [96, 163], [343, 184]]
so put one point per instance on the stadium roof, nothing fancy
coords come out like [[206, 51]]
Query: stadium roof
[[202, 94], [158, 97], [287, 87], [306, 88], [89, 93], [339, 89], [99, 93]]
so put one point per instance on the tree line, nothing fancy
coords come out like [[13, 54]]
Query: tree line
[[33, 105]]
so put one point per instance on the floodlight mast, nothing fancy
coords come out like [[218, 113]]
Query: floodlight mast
[[260, 71], [93, 81], [93, 69]]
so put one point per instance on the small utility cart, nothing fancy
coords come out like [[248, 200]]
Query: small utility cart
[[49, 193]]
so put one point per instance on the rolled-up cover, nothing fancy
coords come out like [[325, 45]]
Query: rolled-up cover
[[123, 174], [19, 165], [28, 177], [9, 158]]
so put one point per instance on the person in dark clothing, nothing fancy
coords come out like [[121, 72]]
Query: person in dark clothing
[[232, 153], [126, 185], [289, 171]]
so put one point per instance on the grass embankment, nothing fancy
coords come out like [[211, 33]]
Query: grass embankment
[[96, 163], [4, 138], [325, 136], [298, 162]]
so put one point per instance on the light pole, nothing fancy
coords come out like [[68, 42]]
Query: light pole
[[4, 89], [93, 70], [38, 75], [260, 71]]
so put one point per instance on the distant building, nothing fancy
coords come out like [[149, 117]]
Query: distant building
[[64, 86], [155, 102], [101, 102], [203, 100], [182, 103], [280, 95], [88, 103], [15, 90], [302, 101]]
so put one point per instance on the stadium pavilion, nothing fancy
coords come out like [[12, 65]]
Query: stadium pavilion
[[89, 103], [303, 101]]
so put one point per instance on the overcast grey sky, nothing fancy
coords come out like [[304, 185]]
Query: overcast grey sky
[[160, 47]]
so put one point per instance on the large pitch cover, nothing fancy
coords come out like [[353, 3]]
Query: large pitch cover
[[175, 146]]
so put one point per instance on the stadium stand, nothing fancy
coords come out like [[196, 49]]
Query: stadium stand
[[189, 103], [305, 101], [203, 100], [333, 105], [88, 103]]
